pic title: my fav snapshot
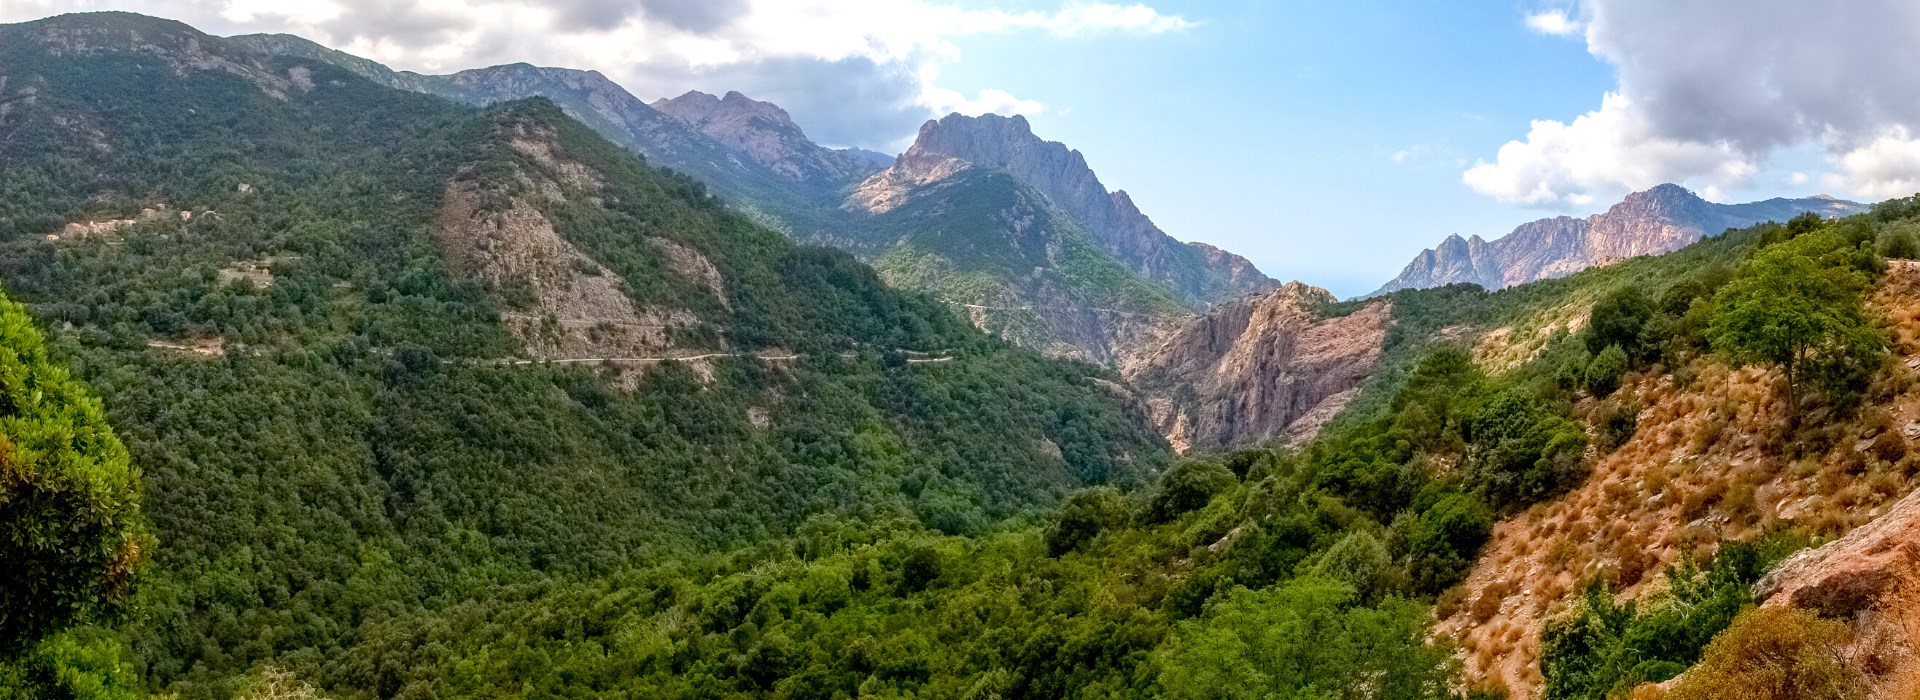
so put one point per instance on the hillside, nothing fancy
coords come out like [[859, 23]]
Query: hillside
[[319, 385], [1103, 287], [1659, 220], [306, 299]]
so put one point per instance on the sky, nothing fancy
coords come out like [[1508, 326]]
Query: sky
[[1327, 141]]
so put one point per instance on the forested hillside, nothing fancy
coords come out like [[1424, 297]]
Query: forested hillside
[[254, 262], [419, 400]]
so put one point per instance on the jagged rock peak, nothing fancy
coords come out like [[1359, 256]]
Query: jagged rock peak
[[698, 108], [1657, 220], [947, 146]]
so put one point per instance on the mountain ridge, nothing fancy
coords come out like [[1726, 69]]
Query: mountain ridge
[[1199, 274], [1657, 220]]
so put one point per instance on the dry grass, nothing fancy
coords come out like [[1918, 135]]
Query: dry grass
[[1705, 465]]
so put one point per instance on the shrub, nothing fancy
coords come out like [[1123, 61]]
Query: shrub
[[1187, 487], [1361, 561], [1603, 373], [1899, 244], [1084, 517], [1775, 654], [1440, 541], [1616, 422]]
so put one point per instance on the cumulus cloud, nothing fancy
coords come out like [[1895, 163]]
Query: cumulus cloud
[[1709, 89], [839, 66]]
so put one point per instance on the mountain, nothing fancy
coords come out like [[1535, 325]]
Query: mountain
[[1659, 220], [1263, 369], [400, 397], [748, 151], [1197, 273], [382, 360], [1024, 255], [766, 134]]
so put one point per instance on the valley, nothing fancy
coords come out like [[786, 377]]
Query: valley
[[320, 379]]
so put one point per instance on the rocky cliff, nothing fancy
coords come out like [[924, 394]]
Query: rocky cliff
[[1272, 367], [1198, 274], [1659, 220]]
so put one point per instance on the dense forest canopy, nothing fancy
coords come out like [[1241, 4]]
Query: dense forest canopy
[[338, 473]]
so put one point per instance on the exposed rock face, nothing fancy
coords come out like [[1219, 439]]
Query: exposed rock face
[[765, 133], [1197, 274], [1261, 369], [1659, 220], [1853, 573], [559, 302]]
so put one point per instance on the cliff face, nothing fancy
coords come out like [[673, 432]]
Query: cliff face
[[1259, 369], [1198, 274], [763, 132], [1659, 220]]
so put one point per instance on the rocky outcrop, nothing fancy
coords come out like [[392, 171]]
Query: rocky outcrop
[[763, 132], [1860, 571], [1659, 220], [1262, 369], [1008, 144], [556, 300]]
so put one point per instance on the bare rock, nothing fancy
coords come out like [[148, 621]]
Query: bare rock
[[1663, 219], [1266, 368]]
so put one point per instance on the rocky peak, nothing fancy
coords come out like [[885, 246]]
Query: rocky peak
[[764, 133], [699, 109], [950, 144], [1658, 220], [182, 48]]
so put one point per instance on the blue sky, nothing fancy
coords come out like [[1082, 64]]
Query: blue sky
[[1327, 141], [1272, 128]]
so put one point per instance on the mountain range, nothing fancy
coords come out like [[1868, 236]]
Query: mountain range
[[319, 380], [1061, 264], [1659, 220]]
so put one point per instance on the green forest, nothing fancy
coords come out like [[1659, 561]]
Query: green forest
[[354, 498]]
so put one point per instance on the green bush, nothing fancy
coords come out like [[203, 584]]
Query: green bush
[[1084, 517], [1621, 320], [1602, 648], [1603, 373], [1304, 639], [1186, 488], [1438, 542]]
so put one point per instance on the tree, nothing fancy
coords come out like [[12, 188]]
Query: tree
[[1084, 517], [69, 499], [1304, 639], [1796, 303], [1620, 320]]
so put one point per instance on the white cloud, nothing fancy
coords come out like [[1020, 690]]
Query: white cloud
[[1600, 155], [1553, 23], [886, 52], [988, 101], [1888, 166], [1710, 89]]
